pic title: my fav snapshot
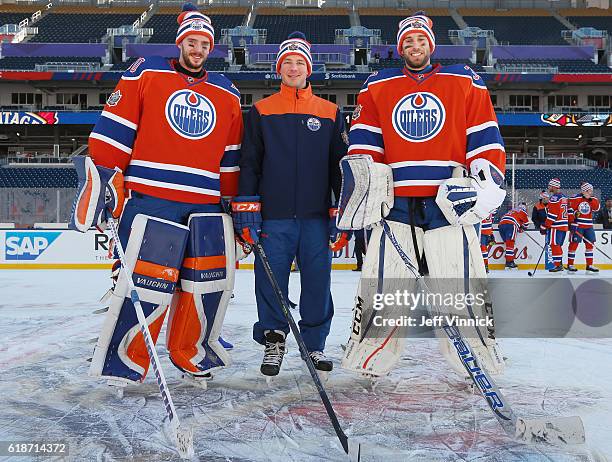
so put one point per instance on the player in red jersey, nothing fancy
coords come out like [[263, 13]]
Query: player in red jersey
[[486, 239], [512, 223], [170, 136], [415, 132], [582, 206], [556, 224]]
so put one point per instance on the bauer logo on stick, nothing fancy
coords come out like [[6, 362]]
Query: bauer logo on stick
[[419, 117], [190, 114]]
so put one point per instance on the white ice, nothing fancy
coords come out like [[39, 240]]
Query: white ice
[[421, 412]]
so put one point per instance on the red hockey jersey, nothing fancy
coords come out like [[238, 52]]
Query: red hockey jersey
[[557, 211], [516, 217], [582, 210], [486, 227], [173, 136], [424, 125]]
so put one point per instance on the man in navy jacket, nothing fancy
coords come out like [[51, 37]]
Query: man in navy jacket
[[289, 168]]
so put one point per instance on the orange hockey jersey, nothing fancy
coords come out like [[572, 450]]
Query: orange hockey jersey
[[173, 136], [516, 217], [557, 212], [424, 125], [486, 226], [582, 210]]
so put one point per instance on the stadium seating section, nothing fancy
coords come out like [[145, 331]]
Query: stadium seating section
[[570, 178], [318, 28], [12, 18], [517, 26], [29, 63], [37, 177], [564, 65], [78, 28]]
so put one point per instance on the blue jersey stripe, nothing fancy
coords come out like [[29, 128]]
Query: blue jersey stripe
[[115, 131], [489, 135], [422, 173], [169, 176], [360, 136], [231, 158]]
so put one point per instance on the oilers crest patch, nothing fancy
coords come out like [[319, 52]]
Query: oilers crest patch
[[190, 114], [313, 124], [584, 208], [418, 117]]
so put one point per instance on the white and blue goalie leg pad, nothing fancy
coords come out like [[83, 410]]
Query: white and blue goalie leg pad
[[456, 269], [154, 252], [375, 346], [207, 281]]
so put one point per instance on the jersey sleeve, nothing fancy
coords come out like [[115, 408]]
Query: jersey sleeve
[[596, 205], [230, 162], [365, 136], [112, 138], [252, 155], [484, 139], [552, 211]]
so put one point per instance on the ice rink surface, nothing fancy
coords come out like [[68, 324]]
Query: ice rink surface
[[421, 412]]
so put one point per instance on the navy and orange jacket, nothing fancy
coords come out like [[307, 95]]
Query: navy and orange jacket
[[292, 146], [538, 214]]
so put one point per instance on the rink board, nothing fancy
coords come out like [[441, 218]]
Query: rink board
[[65, 249]]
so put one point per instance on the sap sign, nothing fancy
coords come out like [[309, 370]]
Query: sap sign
[[28, 245]]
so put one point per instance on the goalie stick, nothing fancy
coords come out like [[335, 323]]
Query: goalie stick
[[183, 437], [567, 430], [350, 446]]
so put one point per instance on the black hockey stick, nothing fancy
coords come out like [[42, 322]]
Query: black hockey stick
[[183, 436], [536, 242], [351, 447], [567, 430], [531, 273]]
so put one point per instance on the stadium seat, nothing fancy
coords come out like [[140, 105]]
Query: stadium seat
[[521, 30]]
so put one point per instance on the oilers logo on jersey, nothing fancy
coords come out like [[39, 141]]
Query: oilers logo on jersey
[[584, 208], [190, 114], [313, 124], [419, 117]]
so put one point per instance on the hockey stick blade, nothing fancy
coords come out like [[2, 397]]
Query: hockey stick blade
[[557, 431]]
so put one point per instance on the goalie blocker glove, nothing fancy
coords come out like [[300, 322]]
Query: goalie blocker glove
[[468, 201], [246, 215], [100, 192]]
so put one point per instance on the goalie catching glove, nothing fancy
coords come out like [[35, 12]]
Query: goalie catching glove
[[100, 194], [468, 201]]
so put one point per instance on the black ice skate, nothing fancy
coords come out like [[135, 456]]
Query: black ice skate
[[273, 355], [572, 268], [556, 269], [320, 361], [592, 269], [511, 265]]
